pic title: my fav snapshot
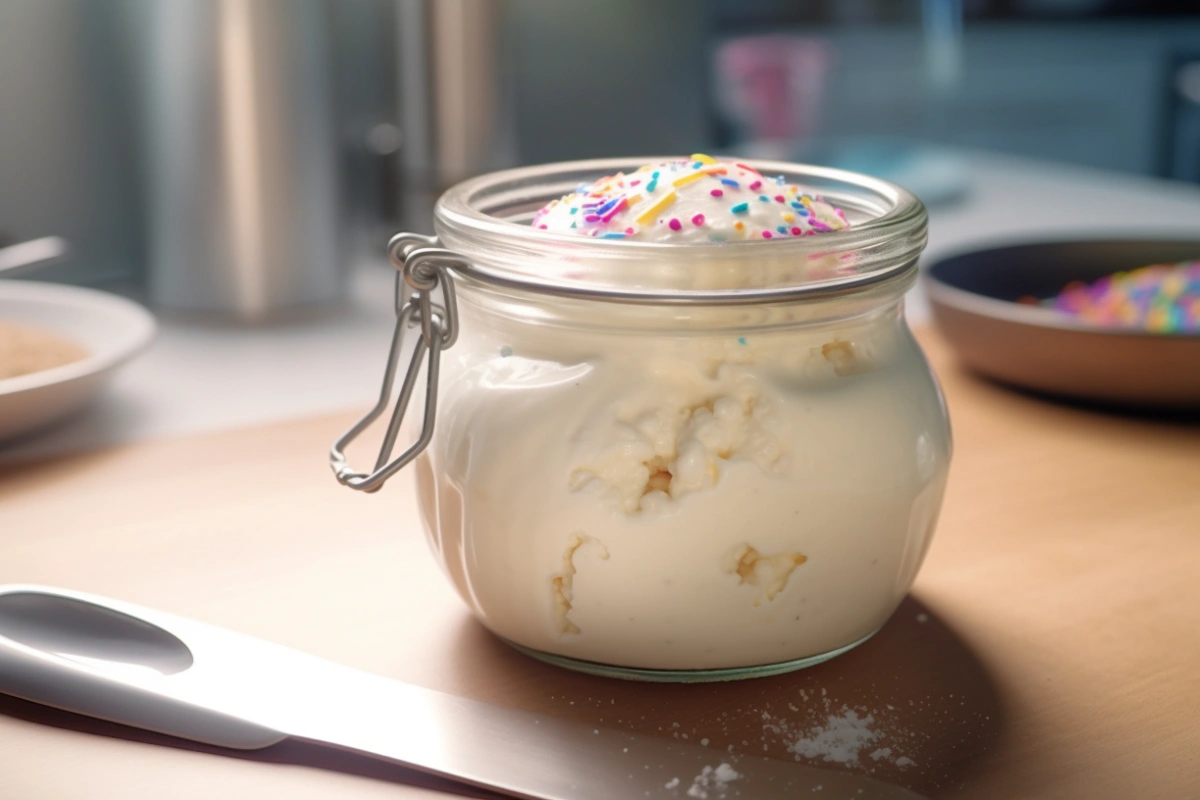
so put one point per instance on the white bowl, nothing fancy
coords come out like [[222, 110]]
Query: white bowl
[[111, 329]]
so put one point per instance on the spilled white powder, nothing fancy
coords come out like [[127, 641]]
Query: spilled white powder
[[859, 738], [840, 739], [726, 773], [712, 779], [671, 784]]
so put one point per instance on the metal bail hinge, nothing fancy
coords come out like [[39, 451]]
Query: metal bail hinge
[[421, 268]]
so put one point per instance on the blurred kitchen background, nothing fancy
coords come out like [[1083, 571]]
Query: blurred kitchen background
[[348, 117]]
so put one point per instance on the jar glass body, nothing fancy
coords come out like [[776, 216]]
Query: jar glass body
[[701, 489]]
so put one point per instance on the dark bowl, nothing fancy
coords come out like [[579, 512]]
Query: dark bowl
[[974, 297]]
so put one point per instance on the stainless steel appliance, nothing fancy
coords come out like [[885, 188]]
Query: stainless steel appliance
[[243, 187]]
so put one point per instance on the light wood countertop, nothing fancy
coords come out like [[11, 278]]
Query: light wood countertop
[[1051, 646]]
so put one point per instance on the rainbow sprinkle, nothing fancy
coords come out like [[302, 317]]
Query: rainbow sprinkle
[[1160, 298], [656, 202]]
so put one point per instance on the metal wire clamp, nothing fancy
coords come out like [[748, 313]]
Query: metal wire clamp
[[421, 268]]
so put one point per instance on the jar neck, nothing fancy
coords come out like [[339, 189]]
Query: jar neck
[[551, 326]]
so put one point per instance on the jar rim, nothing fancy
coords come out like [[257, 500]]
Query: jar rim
[[485, 220]]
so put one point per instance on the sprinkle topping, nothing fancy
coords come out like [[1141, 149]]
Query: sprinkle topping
[[723, 201], [1160, 298]]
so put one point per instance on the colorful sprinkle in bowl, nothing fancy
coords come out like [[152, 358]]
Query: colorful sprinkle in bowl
[[1049, 317]]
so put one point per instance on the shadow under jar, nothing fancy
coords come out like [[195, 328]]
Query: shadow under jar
[[662, 461]]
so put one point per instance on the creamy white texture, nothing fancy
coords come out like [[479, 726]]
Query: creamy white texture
[[696, 502], [668, 438]]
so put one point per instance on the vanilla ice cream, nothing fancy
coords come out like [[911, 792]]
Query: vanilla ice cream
[[741, 490]]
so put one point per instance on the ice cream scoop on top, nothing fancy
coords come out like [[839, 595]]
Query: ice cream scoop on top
[[690, 201]]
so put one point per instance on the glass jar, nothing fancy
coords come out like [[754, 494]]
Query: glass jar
[[671, 462]]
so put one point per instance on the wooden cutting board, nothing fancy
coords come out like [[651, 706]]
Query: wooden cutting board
[[1051, 646]]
